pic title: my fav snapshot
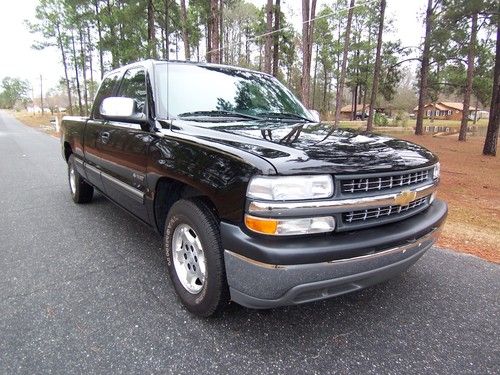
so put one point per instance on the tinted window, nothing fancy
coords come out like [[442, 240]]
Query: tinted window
[[134, 86], [186, 88], [105, 91]]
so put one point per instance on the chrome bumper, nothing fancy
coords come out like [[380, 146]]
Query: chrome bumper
[[260, 285]]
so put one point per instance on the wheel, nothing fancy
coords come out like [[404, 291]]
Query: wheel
[[195, 257], [81, 191]]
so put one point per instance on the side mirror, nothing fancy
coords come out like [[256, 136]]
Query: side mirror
[[315, 115], [121, 109]]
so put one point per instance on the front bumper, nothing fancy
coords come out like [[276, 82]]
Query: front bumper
[[260, 284]]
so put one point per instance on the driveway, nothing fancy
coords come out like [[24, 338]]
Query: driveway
[[83, 288]]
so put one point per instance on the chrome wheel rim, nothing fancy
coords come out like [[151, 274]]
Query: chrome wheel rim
[[72, 179], [189, 258]]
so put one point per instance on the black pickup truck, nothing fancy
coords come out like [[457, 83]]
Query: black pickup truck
[[258, 202]]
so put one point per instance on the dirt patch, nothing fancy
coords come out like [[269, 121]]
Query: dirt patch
[[470, 183]]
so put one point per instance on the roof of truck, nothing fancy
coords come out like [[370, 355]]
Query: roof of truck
[[194, 63]]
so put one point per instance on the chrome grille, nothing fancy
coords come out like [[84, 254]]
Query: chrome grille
[[385, 211], [355, 185]]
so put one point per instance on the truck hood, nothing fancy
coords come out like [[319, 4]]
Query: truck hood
[[301, 148]]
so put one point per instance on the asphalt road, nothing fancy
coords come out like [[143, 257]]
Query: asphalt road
[[83, 288]]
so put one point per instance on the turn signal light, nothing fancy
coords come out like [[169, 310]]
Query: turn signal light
[[260, 225], [290, 227]]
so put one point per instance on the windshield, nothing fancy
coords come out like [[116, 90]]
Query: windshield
[[187, 90]]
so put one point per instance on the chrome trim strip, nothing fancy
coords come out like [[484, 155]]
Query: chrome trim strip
[[325, 207], [428, 239], [134, 193], [384, 174], [92, 168]]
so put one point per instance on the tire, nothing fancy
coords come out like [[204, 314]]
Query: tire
[[192, 238], [81, 191]]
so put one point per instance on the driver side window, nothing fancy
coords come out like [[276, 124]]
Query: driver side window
[[133, 86]]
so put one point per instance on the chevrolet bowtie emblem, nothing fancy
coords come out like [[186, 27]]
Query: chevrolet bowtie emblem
[[405, 197]]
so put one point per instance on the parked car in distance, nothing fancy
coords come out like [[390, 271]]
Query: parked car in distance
[[257, 201]]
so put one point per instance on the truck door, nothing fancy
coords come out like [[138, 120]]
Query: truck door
[[122, 149], [95, 125]]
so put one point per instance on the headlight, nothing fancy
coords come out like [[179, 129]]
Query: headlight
[[289, 227], [282, 188], [437, 171]]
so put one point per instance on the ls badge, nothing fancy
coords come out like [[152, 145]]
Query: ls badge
[[405, 197]]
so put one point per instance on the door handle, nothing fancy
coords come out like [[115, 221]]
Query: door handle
[[105, 137]]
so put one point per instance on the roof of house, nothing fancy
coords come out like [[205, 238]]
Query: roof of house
[[444, 106], [359, 107]]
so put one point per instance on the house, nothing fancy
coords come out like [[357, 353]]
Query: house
[[346, 112], [444, 110]]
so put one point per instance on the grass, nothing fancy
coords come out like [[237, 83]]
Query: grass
[[37, 120], [410, 124], [470, 184]]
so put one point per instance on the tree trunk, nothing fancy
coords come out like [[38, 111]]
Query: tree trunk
[[470, 75], [91, 67], [269, 37], [214, 32], [209, 39], [41, 93], [185, 34], [490, 143], [424, 70], [378, 63], [84, 70], [276, 48], [308, 12], [340, 90], [75, 61], [99, 34], [324, 105], [315, 76], [65, 65], [221, 32], [151, 30], [356, 87], [167, 32], [115, 58], [475, 112]]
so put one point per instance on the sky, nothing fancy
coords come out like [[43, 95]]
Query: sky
[[18, 59]]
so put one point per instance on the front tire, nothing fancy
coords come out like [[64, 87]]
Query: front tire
[[81, 191], [195, 257]]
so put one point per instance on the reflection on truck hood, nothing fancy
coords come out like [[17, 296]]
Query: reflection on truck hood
[[313, 148]]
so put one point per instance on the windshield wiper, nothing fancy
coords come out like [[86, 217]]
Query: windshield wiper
[[218, 114], [285, 115]]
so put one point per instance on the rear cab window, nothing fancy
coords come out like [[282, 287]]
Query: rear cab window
[[105, 91], [133, 85]]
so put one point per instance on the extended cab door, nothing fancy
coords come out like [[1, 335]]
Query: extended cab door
[[94, 127], [122, 149]]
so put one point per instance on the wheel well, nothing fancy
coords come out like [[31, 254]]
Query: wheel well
[[169, 191], [67, 150]]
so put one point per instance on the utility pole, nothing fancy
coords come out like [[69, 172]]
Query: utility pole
[[41, 93], [33, 97]]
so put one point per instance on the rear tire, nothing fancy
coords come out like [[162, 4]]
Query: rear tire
[[81, 191], [195, 257]]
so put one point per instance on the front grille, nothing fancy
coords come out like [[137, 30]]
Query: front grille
[[385, 211], [355, 185]]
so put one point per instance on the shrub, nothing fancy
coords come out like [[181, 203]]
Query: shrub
[[380, 119], [401, 119]]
